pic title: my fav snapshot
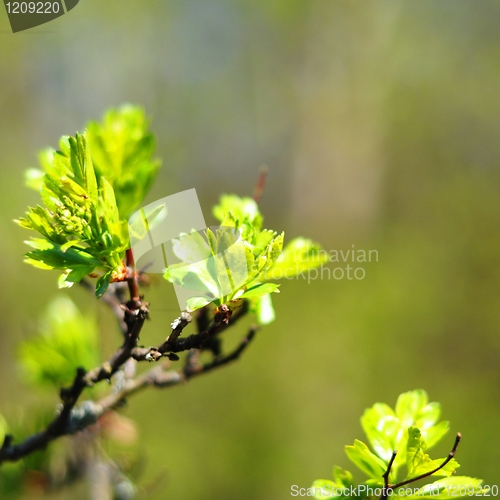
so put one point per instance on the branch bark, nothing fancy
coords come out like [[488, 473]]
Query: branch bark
[[71, 418]]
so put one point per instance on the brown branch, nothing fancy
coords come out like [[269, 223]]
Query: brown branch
[[135, 320], [191, 370], [71, 418], [132, 280], [199, 340], [261, 183], [158, 377], [386, 490]]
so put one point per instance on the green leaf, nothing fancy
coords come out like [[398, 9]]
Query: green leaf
[[109, 203], [274, 250], [410, 404], [191, 247], [430, 465], [342, 477], [428, 415], [80, 220], [264, 309], [212, 241], [197, 302], [362, 457], [415, 455], [259, 290], [141, 222], [102, 284], [234, 262], [3, 428], [122, 148], [324, 489], [33, 177], [53, 256], [298, 256], [386, 429], [434, 434], [66, 341], [381, 427], [243, 211], [196, 277]]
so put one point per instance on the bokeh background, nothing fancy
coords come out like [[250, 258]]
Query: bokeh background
[[380, 123]]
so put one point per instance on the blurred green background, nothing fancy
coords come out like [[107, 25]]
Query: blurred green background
[[380, 123]]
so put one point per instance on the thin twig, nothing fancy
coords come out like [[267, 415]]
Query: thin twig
[[386, 474], [195, 341], [191, 371], [261, 182]]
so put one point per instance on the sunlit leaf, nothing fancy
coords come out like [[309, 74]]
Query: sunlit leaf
[[67, 340], [362, 457]]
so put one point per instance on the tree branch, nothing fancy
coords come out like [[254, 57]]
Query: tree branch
[[386, 474], [132, 281], [261, 182], [73, 419], [199, 340]]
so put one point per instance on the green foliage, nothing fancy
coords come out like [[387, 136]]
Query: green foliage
[[89, 188], [387, 429], [233, 262], [411, 428], [3, 428], [300, 255], [122, 150], [67, 340]]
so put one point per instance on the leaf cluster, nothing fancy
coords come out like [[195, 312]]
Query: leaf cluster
[[235, 260], [88, 188], [67, 340], [411, 429]]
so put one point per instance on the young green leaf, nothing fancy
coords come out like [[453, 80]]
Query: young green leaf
[[66, 341], [381, 427], [242, 211], [80, 221], [361, 456], [102, 284], [298, 256], [259, 290], [325, 489], [386, 429], [3, 428], [264, 309], [122, 149], [197, 302]]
